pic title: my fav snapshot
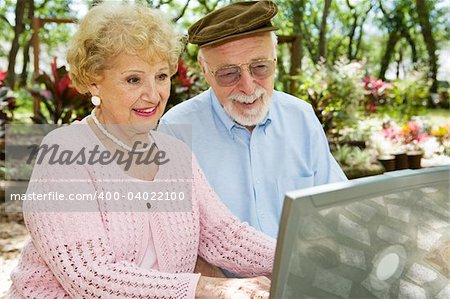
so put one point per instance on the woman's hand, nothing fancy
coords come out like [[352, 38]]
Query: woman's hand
[[233, 288]]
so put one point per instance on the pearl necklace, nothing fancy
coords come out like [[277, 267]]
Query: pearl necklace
[[115, 139]]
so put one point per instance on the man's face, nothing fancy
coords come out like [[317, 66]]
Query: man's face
[[248, 99]]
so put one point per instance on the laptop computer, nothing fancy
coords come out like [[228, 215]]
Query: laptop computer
[[386, 236]]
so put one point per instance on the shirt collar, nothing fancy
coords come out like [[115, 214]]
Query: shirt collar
[[226, 119]]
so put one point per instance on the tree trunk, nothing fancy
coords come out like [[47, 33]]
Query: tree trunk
[[282, 71], [361, 27], [399, 63], [424, 20], [323, 31], [309, 45], [412, 44], [297, 44], [26, 60], [390, 47], [353, 49], [18, 29], [334, 53], [26, 48], [351, 36]]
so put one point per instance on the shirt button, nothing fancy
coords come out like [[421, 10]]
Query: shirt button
[[257, 181]]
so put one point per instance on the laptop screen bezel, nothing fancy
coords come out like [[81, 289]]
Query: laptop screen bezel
[[326, 196]]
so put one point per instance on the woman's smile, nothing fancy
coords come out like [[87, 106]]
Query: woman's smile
[[145, 111]]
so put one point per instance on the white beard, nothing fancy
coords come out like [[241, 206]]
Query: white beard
[[248, 117]]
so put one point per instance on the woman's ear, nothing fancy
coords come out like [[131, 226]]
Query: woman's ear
[[93, 89]]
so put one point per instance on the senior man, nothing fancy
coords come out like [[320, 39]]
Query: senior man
[[252, 142]]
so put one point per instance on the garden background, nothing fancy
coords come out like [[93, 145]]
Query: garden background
[[376, 72]]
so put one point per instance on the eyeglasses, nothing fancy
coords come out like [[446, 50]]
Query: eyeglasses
[[231, 74]]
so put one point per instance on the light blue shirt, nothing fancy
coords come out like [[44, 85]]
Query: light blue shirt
[[251, 172]]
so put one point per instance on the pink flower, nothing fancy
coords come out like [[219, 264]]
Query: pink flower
[[412, 131], [376, 90], [3, 75]]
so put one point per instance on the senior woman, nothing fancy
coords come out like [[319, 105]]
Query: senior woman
[[124, 56]]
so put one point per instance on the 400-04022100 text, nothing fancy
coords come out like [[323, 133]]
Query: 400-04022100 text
[[104, 195]]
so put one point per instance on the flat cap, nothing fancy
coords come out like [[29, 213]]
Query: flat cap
[[233, 21]]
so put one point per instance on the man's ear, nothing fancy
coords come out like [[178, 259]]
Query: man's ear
[[202, 65], [205, 73]]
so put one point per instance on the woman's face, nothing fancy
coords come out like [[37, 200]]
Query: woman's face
[[133, 91]]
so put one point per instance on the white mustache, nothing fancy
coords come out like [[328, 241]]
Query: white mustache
[[242, 98]]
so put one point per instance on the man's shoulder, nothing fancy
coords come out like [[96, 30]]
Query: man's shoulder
[[286, 104], [187, 109], [286, 100]]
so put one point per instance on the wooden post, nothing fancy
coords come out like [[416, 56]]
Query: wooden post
[[36, 25]]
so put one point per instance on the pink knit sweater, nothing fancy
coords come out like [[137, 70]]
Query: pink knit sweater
[[95, 251]]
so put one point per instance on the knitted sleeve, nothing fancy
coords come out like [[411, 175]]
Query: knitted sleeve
[[227, 242], [75, 245]]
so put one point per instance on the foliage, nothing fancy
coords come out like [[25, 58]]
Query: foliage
[[352, 156], [441, 132], [359, 132], [17, 33], [442, 98], [439, 141], [7, 103], [185, 84], [377, 93], [413, 131], [356, 162], [415, 135], [62, 102], [7, 106], [334, 92], [407, 136], [6, 32], [409, 96]]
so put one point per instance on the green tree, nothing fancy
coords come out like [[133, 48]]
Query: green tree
[[19, 32], [399, 22], [430, 42]]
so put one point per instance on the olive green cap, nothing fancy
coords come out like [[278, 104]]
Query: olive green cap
[[233, 21]]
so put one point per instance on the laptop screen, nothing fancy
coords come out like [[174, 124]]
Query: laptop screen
[[386, 236]]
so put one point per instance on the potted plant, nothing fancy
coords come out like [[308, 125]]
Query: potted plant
[[413, 135], [356, 162], [404, 142], [391, 152]]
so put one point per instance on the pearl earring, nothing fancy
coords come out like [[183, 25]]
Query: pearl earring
[[95, 100]]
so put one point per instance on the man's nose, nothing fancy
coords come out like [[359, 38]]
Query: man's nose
[[246, 82]]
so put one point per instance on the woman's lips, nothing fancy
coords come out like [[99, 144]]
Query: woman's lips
[[145, 111]]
